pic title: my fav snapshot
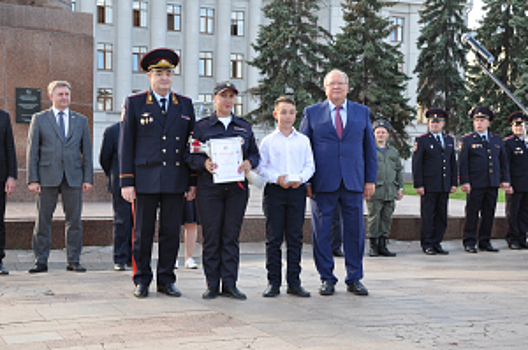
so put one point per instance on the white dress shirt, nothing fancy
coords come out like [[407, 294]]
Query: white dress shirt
[[286, 155], [159, 97], [66, 118], [342, 112]]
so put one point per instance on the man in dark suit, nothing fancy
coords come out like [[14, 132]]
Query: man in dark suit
[[8, 175], [59, 160], [517, 202], [483, 168], [123, 220], [346, 166], [435, 176], [152, 142]]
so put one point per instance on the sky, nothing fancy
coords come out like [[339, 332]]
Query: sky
[[475, 14]]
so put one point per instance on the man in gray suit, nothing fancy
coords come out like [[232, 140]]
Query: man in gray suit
[[59, 160]]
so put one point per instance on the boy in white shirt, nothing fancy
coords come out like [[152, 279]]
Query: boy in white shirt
[[286, 162]]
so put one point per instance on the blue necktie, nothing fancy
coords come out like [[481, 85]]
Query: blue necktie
[[62, 127]]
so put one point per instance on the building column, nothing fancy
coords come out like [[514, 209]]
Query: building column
[[222, 56], [123, 52], [158, 24], [191, 53], [89, 6], [254, 21]]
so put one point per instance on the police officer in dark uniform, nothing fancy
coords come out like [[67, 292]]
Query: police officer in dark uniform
[[222, 205], [123, 220], [517, 202], [153, 140], [435, 176], [483, 168]]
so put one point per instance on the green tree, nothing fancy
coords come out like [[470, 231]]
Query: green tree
[[374, 67], [290, 56], [504, 32], [442, 60]]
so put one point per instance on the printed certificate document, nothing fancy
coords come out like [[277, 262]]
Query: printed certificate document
[[227, 155]]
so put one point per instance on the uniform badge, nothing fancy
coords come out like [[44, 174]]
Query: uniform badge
[[460, 144], [432, 146], [415, 148], [151, 119], [142, 121]]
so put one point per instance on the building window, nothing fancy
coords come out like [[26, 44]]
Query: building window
[[174, 17], [177, 69], [237, 61], [239, 106], [137, 54], [104, 11], [237, 23], [139, 14], [206, 21], [73, 5], [206, 64], [205, 98], [397, 29], [104, 56], [104, 99]]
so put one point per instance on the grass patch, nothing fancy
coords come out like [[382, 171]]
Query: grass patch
[[409, 190]]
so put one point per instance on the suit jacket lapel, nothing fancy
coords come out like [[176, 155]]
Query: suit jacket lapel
[[72, 123], [349, 118], [53, 122], [327, 113]]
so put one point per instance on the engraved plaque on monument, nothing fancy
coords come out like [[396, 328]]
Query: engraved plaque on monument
[[27, 104]]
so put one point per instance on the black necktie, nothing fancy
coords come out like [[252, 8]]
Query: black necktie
[[484, 141], [62, 127], [439, 140], [163, 110]]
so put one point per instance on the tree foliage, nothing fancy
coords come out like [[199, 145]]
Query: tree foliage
[[504, 32], [374, 67], [442, 60], [290, 56]]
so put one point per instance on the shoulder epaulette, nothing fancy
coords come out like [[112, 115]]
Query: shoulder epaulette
[[138, 94], [511, 137], [422, 135], [243, 121], [468, 134], [181, 96], [203, 122]]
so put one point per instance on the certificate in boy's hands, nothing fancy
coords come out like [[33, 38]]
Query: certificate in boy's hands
[[226, 153]]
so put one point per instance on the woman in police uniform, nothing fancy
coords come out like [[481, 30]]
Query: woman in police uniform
[[222, 206]]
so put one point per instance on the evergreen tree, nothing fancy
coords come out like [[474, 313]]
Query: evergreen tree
[[442, 59], [504, 32], [291, 51], [373, 66]]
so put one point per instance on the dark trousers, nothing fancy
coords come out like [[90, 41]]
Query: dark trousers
[[323, 206], [517, 216], [433, 211], [2, 223], [479, 202], [337, 230], [72, 206], [221, 208], [171, 208], [284, 210], [123, 223]]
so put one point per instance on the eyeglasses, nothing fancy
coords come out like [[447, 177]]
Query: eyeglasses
[[336, 84]]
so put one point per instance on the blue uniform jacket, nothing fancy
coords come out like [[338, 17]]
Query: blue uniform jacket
[[151, 149], [482, 167], [108, 157], [434, 168], [352, 159], [517, 154], [212, 128]]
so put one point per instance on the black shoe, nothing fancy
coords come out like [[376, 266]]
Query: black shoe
[[233, 292], [210, 293], [298, 291], [488, 247], [514, 246], [129, 263], [327, 288], [357, 288], [429, 251], [141, 291], [119, 267], [374, 247], [523, 245], [3, 270], [271, 291], [76, 267], [338, 253], [38, 267], [169, 289], [470, 249], [382, 248], [438, 248]]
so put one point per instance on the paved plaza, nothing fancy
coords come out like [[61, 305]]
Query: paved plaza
[[459, 301]]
